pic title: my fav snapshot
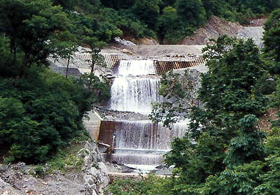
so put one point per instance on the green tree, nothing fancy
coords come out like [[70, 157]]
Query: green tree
[[67, 4], [191, 12], [272, 41], [118, 4], [167, 20], [147, 11], [36, 28], [271, 5], [44, 113], [167, 3], [223, 130], [10, 116], [247, 146], [214, 7]]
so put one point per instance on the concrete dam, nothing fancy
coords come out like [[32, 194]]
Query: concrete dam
[[138, 143], [131, 137], [124, 132]]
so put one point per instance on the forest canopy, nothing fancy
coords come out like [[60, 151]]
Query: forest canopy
[[40, 111], [168, 21]]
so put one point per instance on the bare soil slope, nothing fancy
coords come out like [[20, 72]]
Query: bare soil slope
[[217, 26], [212, 30]]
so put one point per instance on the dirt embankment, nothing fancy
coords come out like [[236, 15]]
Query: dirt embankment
[[216, 27]]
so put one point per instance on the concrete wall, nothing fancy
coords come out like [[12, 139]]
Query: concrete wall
[[92, 124], [71, 71], [107, 130]]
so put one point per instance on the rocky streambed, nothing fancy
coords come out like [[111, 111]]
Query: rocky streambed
[[91, 179]]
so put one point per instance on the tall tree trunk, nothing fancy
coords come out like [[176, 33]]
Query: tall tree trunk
[[67, 67], [13, 49], [26, 64], [93, 59]]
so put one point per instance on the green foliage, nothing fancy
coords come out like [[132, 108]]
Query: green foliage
[[139, 18], [272, 40], [196, 160], [39, 171], [273, 141], [99, 91], [270, 179], [67, 4], [179, 93], [10, 108], [256, 177], [247, 146], [150, 185], [224, 152], [135, 18], [43, 113], [232, 83], [191, 12], [118, 4], [168, 25], [37, 30], [239, 180], [69, 158], [147, 11], [214, 7], [111, 18]]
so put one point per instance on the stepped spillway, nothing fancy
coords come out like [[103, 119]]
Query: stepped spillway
[[137, 142], [135, 87]]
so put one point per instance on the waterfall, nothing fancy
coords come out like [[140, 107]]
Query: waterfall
[[136, 67], [145, 135], [135, 87], [138, 143]]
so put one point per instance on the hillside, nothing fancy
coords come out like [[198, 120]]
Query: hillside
[[216, 27], [44, 146]]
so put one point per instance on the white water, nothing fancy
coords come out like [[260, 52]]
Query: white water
[[136, 67], [145, 135], [144, 142], [140, 143], [134, 89]]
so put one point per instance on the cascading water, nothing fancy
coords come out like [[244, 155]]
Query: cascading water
[[136, 67], [146, 136], [138, 142], [144, 142], [135, 86]]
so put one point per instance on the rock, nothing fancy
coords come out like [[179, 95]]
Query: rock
[[124, 42], [96, 173], [147, 41], [255, 33], [126, 51], [7, 189], [94, 193], [17, 180], [258, 22]]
